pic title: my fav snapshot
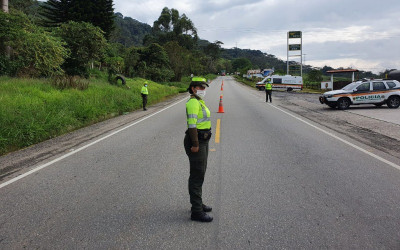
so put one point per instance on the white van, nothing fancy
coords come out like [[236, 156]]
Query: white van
[[286, 82]]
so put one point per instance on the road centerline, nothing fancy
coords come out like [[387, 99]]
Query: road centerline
[[217, 131]]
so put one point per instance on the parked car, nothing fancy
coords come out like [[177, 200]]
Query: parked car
[[366, 91]]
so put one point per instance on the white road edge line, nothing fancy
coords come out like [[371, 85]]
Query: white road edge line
[[82, 148], [340, 139]]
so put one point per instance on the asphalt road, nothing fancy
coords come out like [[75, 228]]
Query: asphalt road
[[273, 181]]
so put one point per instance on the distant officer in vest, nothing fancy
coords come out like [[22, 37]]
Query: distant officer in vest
[[196, 141], [268, 90], [144, 92]]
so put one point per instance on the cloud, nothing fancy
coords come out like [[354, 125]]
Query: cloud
[[359, 32]]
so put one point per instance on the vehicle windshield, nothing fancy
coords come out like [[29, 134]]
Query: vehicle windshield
[[350, 86]]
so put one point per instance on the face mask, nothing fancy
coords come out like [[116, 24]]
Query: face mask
[[201, 93]]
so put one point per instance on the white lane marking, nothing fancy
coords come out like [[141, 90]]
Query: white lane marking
[[340, 139], [82, 148]]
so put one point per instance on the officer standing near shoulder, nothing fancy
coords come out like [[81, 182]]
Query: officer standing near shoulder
[[268, 90], [144, 92], [196, 146]]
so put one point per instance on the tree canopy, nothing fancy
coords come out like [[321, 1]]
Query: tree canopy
[[100, 13], [170, 26]]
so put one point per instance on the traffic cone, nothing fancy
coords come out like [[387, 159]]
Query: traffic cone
[[222, 87], [221, 107]]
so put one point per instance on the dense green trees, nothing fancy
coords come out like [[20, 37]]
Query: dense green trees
[[129, 31], [241, 65], [314, 76], [170, 26], [100, 13], [86, 44], [73, 41], [148, 62], [178, 58], [35, 52]]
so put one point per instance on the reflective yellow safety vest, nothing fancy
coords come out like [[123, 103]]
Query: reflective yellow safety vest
[[198, 115], [144, 91], [268, 86]]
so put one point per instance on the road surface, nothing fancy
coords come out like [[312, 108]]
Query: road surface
[[274, 181]]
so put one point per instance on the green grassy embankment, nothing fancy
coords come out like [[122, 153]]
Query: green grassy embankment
[[32, 110]]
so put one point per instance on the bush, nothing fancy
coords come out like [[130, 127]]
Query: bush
[[69, 82], [34, 51], [86, 43]]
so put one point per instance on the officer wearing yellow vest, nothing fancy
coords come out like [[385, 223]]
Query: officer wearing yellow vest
[[196, 141], [144, 92], [268, 90]]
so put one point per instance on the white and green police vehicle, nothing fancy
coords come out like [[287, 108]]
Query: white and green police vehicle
[[367, 91]]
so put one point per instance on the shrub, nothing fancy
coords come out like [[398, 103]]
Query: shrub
[[69, 82]]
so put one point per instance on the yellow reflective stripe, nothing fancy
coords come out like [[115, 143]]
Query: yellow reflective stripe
[[198, 115]]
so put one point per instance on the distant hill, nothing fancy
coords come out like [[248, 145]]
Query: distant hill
[[129, 31]]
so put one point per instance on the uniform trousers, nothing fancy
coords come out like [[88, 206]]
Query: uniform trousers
[[198, 166], [144, 99], [268, 93]]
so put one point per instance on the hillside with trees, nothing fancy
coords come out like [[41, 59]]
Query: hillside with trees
[[167, 50], [128, 31]]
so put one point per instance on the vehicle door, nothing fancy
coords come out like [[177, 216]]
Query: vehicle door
[[361, 93], [277, 83], [379, 92]]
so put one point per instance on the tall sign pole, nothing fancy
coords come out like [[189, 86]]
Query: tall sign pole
[[287, 59], [295, 47]]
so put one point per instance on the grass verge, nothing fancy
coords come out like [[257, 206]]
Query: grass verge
[[31, 110]]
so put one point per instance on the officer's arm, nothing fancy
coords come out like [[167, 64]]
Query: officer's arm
[[194, 137], [192, 109]]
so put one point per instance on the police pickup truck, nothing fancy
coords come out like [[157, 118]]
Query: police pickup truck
[[366, 91]]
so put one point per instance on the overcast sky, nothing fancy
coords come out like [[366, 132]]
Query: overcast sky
[[362, 34]]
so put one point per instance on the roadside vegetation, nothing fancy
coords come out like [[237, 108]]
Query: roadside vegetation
[[60, 61], [33, 110]]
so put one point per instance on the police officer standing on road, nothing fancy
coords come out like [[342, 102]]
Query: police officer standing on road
[[196, 146], [144, 92], [268, 90]]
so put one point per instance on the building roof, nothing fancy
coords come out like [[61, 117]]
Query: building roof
[[342, 70]]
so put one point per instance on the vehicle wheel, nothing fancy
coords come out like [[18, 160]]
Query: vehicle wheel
[[262, 88], [393, 102], [343, 103], [332, 105], [289, 89]]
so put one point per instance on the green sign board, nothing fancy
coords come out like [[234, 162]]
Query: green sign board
[[294, 46], [294, 34]]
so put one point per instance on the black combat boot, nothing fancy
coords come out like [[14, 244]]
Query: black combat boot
[[206, 208], [201, 216]]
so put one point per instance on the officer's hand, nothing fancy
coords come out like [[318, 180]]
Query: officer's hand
[[194, 149]]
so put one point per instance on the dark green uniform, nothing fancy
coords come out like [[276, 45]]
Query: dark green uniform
[[198, 117], [268, 92]]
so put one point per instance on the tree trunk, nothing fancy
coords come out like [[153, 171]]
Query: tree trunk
[[4, 7]]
